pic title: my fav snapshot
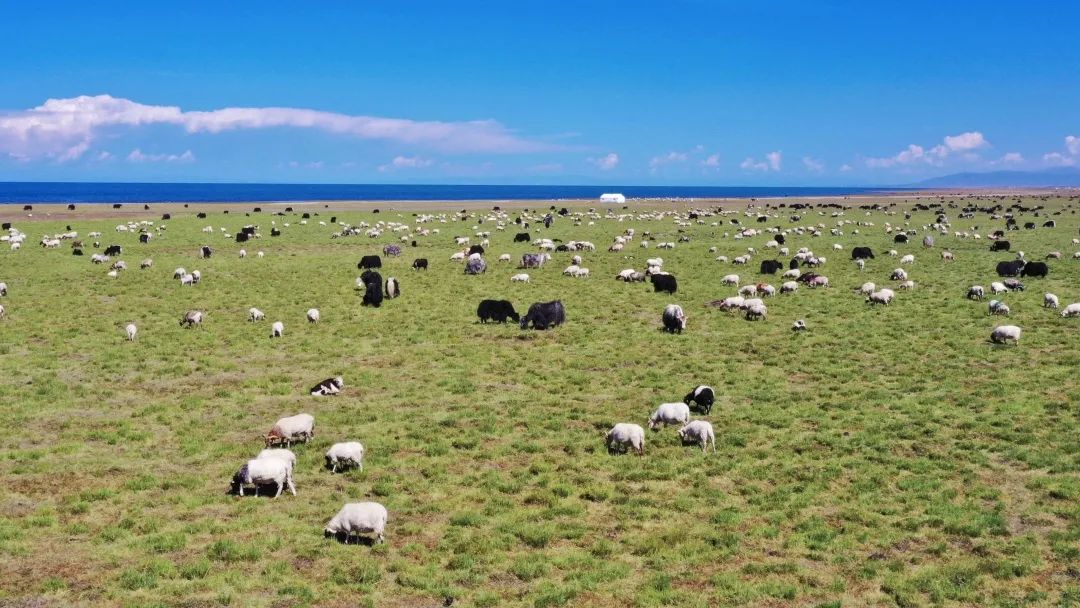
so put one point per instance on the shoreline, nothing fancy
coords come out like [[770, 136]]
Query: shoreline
[[105, 210]]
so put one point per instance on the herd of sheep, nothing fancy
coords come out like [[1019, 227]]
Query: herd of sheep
[[275, 464]]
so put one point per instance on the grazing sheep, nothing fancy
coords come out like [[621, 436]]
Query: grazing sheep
[[131, 331], [259, 254], [906, 285], [626, 435], [819, 281], [798, 325], [243, 253], [748, 290], [313, 315], [893, 253], [907, 259], [1072, 310], [260, 471], [520, 278], [766, 290], [180, 272], [277, 329], [3, 312], [1050, 301], [702, 396], [187, 279], [669, 413], [898, 275], [976, 292], [300, 427], [330, 386], [191, 319], [358, 518], [885, 296], [254, 314], [3, 289], [504, 257], [699, 432], [998, 307], [789, 287], [1003, 333], [947, 256], [794, 273], [731, 279], [147, 263], [196, 276], [345, 455], [860, 264], [998, 287], [756, 312], [113, 274], [732, 303]]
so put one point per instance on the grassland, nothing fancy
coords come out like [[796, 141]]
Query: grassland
[[887, 457]]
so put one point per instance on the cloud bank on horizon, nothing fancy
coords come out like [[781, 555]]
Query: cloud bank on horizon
[[72, 130]]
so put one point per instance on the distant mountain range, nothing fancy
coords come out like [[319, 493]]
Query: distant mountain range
[[1061, 177]]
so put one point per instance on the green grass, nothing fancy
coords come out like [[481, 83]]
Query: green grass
[[886, 457]]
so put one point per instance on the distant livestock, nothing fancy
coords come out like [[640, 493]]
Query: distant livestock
[[476, 249], [757, 312], [520, 278], [264, 471], [313, 315], [702, 396], [345, 455], [664, 283], [798, 325], [884, 296], [1000, 246], [131, 330], [862, 253], [475, 265], [496, 310], [277, 330], [420, 264], [392, 250], [976, 292], [624, 436], [358, 518], [674, 319], [204, 252], [771, 266], [392, 288], [370, 261], [1010, 269], [669, 413], [698, 432], [291, 429], [254, 314], [998, 307], [191, 318], [112, 250], [330, 386], [900, 238], [522, 237], [1035, 269], [544, 315], [1072, 310], [533, 260], [1003, 333]]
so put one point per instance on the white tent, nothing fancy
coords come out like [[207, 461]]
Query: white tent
[[612, 197]]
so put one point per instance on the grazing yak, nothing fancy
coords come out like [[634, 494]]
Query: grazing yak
[[1010, 269], [1035, 269], [900, 238], [373, 295], [664, 282], [420, 264], [862, 253], [1000, 246], [544, 315], [703, 397], [496, 310], [674, 319], [370, 261], [771, 266], [113, 250], [476, 249], [522, 237]]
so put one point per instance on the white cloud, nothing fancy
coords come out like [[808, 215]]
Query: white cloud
[[1059, 160], [965, 141], [813, 165], [667, 159], [772, 162], [314, 164], [64, 129], [606, 162], [405, 162], [1072, 143], [712, 161], [915, 154], [1012, 158], [103, 156], [846, 167], [137, 156]]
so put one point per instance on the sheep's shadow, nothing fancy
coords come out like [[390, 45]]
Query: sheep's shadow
[[353, 539], [265, 490]]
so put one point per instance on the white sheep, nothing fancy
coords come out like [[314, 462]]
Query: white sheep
[[1072, 310], [766, 290], [180, 272], [277, 330], [113, 274], [867, 288], [819, 281], [259, 254], [313, 315], [504, 257], [907, 259], [358, 518], [976, 292], [906, 285], [626, 435], [860, 264], [254, 314], [798, 325], [789, 287], [1003, 333], [192, 318], [196, 276], [669, 413], [731, 279], [3, 312], [947, 256], [348, 454], [521, 278], [898, 274], [748, 290], [283, 454], [756, 312], [187, 279], [885, 296], [131, 330], [732, 303], [147, 263], [260, 471], [794, 273], [3, 289], [243, 253], [699, 432], [1050, 301], [998, 287], [998, 307], [300, 427]]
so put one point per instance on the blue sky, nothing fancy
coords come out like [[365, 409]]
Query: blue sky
[[672, 92]]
